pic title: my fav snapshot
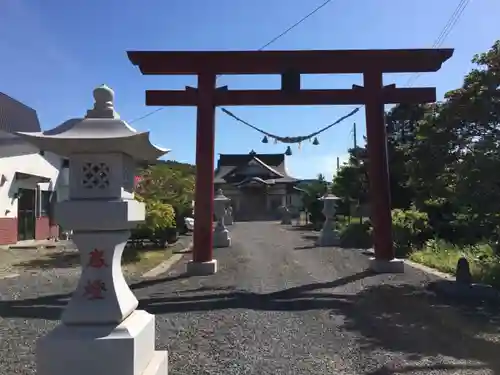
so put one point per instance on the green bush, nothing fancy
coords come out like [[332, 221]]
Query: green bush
[[159, 215], [443, 256], [356, 235], [409, 229], [315, 209], [159, 223]]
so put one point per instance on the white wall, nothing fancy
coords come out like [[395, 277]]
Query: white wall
[[25, 158]]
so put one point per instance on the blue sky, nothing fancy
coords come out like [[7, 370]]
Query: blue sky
[[60, 50]]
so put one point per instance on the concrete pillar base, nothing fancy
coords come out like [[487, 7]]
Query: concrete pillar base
[[387, 266], [201, 268], [126, 349]]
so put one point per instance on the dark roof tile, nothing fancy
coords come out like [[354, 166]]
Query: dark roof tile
[[16, 116]]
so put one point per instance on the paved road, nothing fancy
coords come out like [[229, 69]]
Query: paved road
[[278, 306]]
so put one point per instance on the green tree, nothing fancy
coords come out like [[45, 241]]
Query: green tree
[[351, 182], [444, 156], [170, 183], [310, 199]]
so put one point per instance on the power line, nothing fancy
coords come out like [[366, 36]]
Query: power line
[[318, 8], [451, 22], [446, 30], [273, 40], [147, 115]]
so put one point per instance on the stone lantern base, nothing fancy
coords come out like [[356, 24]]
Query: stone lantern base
[[228, 219], [221, 237], [126, 349], [387, 266], [286, 221], [328, 238]]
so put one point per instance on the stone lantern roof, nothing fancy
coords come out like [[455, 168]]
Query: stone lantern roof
[[100, 131]]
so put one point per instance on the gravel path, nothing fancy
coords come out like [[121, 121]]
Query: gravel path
[[277, 306]]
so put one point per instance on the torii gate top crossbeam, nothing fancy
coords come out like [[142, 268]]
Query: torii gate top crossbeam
[[275, 62]]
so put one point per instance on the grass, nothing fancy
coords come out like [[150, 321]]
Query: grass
[[351, 219], [442, 256], [141, 261], [134, 261]]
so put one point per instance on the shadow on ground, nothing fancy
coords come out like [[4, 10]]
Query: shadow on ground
[[302, 227], [64, 259], [398, 318], [310, 237], [50, 307], [410, 369]]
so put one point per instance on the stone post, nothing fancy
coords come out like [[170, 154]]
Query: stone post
[[229, 220], [328, 235], [101, 330], [221, 234], [286, 216]]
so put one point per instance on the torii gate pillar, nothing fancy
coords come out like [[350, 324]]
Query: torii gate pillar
[[203, 262], [378, 172]]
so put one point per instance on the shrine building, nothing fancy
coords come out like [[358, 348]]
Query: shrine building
[[31, 180], [257, 184]]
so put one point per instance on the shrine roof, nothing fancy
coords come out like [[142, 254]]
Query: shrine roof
[[242, 159], [16, 116], [274, 163], [258, 180]]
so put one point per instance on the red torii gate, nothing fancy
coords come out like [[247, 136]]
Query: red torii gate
[[290, 65]]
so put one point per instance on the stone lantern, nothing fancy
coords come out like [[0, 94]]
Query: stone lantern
[[328, 235], [101, 330], [286, 215], [221, 234]]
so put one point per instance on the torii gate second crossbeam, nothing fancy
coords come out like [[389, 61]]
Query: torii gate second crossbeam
[[290, 65]]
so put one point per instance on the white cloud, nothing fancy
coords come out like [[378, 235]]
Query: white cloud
[[309, 166]]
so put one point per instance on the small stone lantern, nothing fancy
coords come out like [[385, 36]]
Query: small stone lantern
[[229, 219], [286, 216], [221, 234], [328, 235], [101, 330]]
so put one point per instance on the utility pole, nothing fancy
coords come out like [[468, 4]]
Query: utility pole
[[354, 136], [338, 165]]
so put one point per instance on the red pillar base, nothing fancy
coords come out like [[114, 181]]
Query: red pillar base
[[201, 268], [387, 266]]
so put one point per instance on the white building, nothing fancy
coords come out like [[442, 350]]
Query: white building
[[31, 180]]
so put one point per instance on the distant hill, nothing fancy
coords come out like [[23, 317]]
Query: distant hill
[[185, 168], [308, 181]]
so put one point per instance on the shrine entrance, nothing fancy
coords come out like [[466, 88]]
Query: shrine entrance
[[253, 204], [290, 65]]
